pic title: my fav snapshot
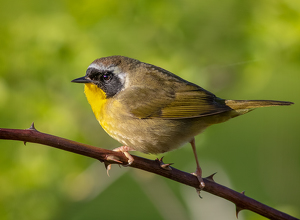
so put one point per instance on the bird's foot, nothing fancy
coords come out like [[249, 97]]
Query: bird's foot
[[198, 174], [201, 185], [113, 159], [124, 150]]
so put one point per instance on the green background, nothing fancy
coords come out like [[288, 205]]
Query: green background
[[235, 49]]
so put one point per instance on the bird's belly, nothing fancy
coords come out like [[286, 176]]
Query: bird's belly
[[153, 135]]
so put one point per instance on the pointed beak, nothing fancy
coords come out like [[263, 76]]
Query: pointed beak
[[81, 80]]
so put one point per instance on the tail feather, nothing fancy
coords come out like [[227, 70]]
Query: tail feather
[[248, 105]]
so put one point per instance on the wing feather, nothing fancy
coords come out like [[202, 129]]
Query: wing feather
[[181, 101]]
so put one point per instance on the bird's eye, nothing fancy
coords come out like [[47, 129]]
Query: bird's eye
[[107, 77]]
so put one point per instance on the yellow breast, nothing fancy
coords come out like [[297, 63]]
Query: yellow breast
[[97, 99], [102, 108]]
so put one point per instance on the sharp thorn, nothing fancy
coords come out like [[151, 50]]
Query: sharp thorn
[[158, 160], [238, 208], [24, 142], [211, 177], [32, 127], [237, 211], [166, 166]]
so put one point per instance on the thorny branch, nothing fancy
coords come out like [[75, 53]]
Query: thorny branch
[[154, 166]]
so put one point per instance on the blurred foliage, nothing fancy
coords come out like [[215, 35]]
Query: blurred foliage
[[236, 49]]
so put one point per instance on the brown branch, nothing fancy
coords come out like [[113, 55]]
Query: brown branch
[[239, 199]]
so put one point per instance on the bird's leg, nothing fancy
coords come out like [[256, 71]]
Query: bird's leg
[[124, 150], [198, 172]]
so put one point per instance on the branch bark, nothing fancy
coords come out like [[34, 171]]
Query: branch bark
[[239, 199]]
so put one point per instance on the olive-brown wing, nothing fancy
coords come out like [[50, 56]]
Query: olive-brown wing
[[186, 101]]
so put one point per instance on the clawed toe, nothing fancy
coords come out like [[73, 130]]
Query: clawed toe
[[114, 159], [199, 177]]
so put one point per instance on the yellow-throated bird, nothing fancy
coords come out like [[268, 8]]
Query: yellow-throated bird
[[149, 109]]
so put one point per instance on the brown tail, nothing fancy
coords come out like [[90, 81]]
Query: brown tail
[[244, 106]]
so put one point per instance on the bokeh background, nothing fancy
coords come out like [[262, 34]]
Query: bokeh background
[[235, 49]]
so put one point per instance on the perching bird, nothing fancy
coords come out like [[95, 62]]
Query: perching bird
[[151, 110]]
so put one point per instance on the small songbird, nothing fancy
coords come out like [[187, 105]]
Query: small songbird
[[151, 110]]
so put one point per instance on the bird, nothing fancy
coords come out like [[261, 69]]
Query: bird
[[151, 110]]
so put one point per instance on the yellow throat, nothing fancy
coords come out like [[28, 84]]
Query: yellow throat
[[97, 99]]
